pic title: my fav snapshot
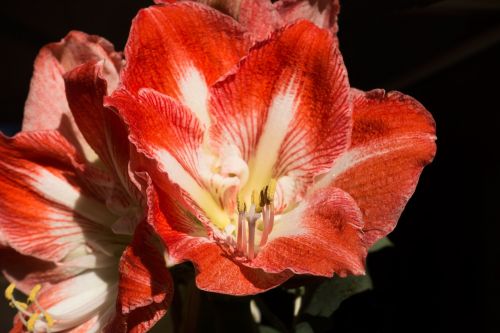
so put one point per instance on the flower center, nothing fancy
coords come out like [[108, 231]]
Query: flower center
[[29, 317], [261, 208]]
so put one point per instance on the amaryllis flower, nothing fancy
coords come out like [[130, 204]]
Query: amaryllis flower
[[262, 162], [262, 17], [68, 208]]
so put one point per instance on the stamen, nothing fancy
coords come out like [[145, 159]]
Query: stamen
[[48, 319], [9, 291], [271, 190], [251, 239], [31, 322], [241, 236], [19, 305], [22, 307], [34, 292], [268, 211], [256, 202], [252, 218]]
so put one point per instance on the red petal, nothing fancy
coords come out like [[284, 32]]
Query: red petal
[[44, 211], [323, 13], [146, 287], [159, 124], [216, 272], [393, 139], [46, 107], [323, 235], [259, 17], [101, 127], [180, 49], [293, 117]]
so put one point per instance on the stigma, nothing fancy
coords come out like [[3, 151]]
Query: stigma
[[30, 312], [261, 208]]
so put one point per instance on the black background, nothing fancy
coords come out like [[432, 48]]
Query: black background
[[443, 273]]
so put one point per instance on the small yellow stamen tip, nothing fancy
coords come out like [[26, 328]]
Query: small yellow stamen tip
[[20, 305], [255, 198], [30, 325], [271, 190], [49, 320], [9, 292], [241, 204], [34, 292]]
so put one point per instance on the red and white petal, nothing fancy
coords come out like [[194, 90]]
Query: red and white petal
[[170, 136], [216, 271], [180, 49], [86, 88], [323, 235], [323, 13], [46, 107], [44, 211], [294, 117], [27, 271], [145, 288], [78, 300], [393, 139]]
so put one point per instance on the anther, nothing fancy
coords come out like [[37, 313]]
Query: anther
[[48, 319], [34, 292], [271, 190], [32, 321], [256, 201], [19, 305], [9, 292]]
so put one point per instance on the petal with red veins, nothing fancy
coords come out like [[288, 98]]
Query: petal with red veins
[[216, 271], [26, 271], [76, 301], [323, 13], [323, 235], [167, 133], [101, 127], [259, 17], [44, 211], [294, 117], [392, 140], [46, 107], [145, 288], [180, 49]]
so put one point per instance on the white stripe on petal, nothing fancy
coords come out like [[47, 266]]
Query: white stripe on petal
[[58, 190], [194, 93], [78, 299], [178, 175], [281, 113]]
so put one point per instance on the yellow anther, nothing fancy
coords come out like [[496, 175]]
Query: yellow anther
[[9, 292], [20, 305], [34, 292], [48, 319], [256, 201], [242, 207], [30, 325], [271, 190]]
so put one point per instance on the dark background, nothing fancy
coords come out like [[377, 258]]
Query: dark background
[[443, 273]]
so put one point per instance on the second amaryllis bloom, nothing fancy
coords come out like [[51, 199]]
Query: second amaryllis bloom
[[263, 163], [73, 235]]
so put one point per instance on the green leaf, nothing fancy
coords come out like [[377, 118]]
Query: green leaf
[[267, 329], [328, 295], [303, 327], [382, 243]]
